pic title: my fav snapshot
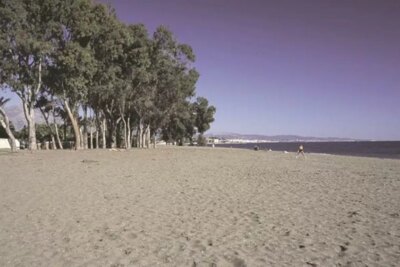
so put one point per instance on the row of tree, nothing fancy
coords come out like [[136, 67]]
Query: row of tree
[[78, 64]]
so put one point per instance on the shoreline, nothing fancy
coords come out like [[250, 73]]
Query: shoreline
[[380, 149], [5, 151]]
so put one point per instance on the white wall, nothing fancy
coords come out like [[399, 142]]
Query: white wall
[[5, 144]]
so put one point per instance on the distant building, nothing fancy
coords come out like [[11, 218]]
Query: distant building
[[213, 140]]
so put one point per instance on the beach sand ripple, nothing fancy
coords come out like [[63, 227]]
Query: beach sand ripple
[[197, 207]]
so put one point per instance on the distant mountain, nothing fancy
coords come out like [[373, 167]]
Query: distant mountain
[[275, 138], [17, 117]]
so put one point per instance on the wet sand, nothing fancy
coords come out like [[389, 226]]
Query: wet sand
[[197, 207]]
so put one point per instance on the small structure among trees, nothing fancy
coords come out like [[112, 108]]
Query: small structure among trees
[[109, 83]]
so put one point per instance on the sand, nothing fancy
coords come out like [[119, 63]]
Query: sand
[[197, 207]]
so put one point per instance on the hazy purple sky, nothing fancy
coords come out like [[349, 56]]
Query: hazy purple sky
[[319, 68], [306, 67]]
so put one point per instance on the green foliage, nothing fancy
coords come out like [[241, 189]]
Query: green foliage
[[25, 34], [204, 114], [201, 140], [42, 133], [180, 124], [22, 134], [3, 133], [93, 61]]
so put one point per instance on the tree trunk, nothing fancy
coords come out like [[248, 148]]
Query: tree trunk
[[85, 128], [128, 134], [46, 119], [75, 126], [137, 137], [140, 134], [60, 146], [143, 139], [104, 133], [97, 138], [125, 132], [91, 137], [113, 132], [113, 136], [81, 136], [53, 142], [65, 130], [30, 119], [5, 122], [28, 98], [132, 138], [32, 132], [147, 136]]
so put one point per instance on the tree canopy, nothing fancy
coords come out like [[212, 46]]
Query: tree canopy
[[80, 65]]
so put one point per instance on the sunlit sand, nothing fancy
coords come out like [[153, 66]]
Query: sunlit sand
[[197, 207]]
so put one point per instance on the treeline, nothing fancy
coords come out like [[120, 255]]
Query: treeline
[[112, 83]]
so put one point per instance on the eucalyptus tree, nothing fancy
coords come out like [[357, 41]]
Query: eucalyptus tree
[[26, 28], [48, 106], [89, 61], [72, 62], [170, 83], [99, 92], [71, 76], [45, 107], [6, 124], [204, 115], [132, 65], [180, 124], [179, 113], [179, 118], [137, 77], [109, 80], [117, 49]]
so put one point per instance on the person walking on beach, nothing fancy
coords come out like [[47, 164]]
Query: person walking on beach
[[300, 151]]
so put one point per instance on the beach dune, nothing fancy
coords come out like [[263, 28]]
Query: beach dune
[[197, 207]]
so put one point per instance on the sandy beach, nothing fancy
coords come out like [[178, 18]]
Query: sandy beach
[[197, 207]]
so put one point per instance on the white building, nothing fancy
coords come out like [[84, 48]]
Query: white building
[[4, 144]]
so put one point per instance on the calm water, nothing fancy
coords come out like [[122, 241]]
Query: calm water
[[384, 149]]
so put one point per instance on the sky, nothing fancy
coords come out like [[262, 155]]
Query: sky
[[309, 67], [325, 68]]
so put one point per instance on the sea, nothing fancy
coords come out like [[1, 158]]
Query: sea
[[377, 149]]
